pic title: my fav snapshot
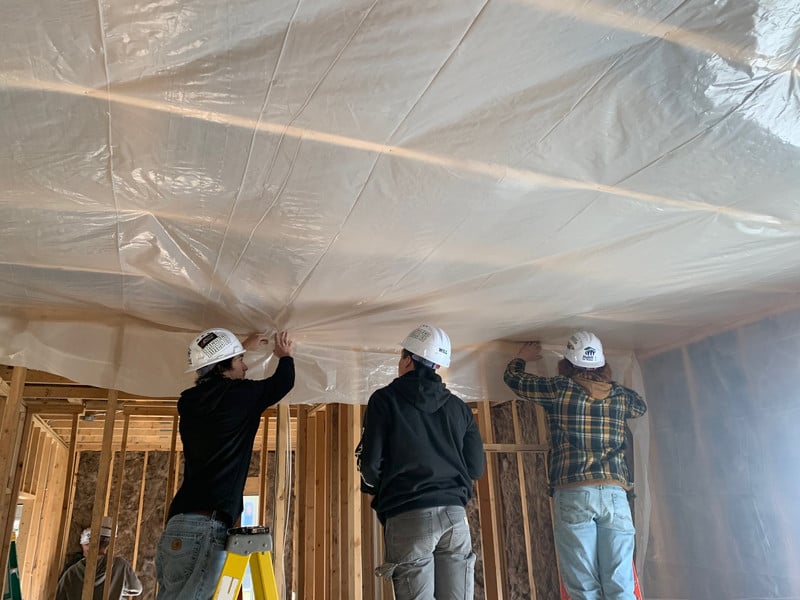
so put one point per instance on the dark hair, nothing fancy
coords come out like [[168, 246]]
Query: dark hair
[[567, 369], [216, 372], [423, 371]]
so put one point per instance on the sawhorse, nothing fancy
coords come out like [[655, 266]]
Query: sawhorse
[[248, 546]]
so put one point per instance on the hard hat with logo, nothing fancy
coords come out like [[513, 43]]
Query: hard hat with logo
[[105, 531], [585, 350], [213, 346], [430, 343]]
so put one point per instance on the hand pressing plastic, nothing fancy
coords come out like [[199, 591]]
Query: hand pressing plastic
[[259, 341], [255, 341], [283, 344], [530, 351]]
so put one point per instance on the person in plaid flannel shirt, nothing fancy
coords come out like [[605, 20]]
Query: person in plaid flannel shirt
[[589, 478]]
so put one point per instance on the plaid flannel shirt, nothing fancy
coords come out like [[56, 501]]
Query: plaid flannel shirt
[[587, 435]]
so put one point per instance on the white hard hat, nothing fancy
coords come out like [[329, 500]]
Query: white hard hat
[[430, 343], [105, 531], [213, 346], [585, 350], [86, 535]]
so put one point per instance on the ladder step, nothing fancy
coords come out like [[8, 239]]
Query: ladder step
[[246, 540]]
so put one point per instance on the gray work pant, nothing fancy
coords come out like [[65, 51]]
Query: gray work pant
[[429, 554]]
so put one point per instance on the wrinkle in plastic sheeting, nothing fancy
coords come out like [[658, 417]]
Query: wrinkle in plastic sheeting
[[506, 170]]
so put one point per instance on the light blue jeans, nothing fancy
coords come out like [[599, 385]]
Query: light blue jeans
[[429, 554], [594, 539], [190, 557]]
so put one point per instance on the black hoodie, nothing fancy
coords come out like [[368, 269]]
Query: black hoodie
[[219, 419], [420, 446]]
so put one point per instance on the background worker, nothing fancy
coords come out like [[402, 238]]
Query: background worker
[[419, 453], [589, 479], [124, 582], [219, 419], [73, 558]]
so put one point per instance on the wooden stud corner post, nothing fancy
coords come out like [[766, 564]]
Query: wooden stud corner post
[[11, 446], [352, 565], [103, 480], [489, 511], [66, 503], [172, 475], [281, 496], [116, 497]]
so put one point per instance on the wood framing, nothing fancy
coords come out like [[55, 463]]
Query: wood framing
[[16, 479], [302, 506], [140, 508], [351, 506], [321, 517], [336, 527], [263, 464], [173, 466], [281, 496], [526, 525], [103, 477], [328, 541], [113, 509], [307, 581], [491, 524], [66, 502], [13, 411], [38, 530]]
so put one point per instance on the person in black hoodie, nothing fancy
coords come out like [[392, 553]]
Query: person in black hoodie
[[419, 453], [219, 418]]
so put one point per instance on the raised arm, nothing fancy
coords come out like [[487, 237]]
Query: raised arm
[[635, 404], [274, 388], [526, 385]]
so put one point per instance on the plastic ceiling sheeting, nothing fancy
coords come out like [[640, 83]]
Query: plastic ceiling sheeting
[[346, 170]]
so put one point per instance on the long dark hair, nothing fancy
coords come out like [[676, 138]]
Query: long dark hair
[[216, 372], [567, 369]]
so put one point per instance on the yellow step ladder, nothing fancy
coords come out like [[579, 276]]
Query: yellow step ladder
[[248, 546]]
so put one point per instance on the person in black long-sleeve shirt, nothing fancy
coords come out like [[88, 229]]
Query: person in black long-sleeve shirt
[[219, 418], [419, 453]]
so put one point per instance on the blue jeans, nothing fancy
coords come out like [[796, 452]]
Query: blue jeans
[[594, 538], [190, 557], [429, 554]]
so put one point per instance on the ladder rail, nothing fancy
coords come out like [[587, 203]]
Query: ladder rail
[[248, 546]]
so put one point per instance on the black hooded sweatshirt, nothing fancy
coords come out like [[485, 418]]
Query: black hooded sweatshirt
[[420, 446], [219, 418]]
